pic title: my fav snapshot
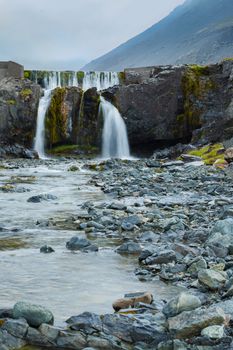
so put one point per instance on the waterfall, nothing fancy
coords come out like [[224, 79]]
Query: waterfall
[[51, 82], [100, 80], [114, 138]]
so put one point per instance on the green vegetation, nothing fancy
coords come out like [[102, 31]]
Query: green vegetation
[[11, 102], [121, 76], [27, 74], [12, 243], [26, 93], [210, 153], [63, 149], [56, 119]]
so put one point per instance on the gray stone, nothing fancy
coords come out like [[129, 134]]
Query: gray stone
[[212, 279], [77, 243], [41, 198], [17, 328], [8, 341], [50, 332], [197, 265], [35, 315], [129, 248], [222, 232], [87, 322], [118, 206], [35, 337], [71, 341], [190, 323], [162, 257], [184, 302], [213, 332], [46, 249]]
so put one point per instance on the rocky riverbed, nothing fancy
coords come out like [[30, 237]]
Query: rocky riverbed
[[116, 227]]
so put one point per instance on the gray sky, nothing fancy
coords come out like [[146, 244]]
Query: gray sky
[[66, 34]]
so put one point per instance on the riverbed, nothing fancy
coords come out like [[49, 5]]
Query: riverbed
[[66, 282]]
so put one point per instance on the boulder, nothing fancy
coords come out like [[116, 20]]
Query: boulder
[[79, 243], [213, 332], [222, 232], [184, 302], [212, 279], [129, 248], [35, 315], [190, 323]]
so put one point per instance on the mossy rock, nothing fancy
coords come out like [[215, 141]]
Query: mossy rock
[[26, 93], [210, 153], [12, 243]]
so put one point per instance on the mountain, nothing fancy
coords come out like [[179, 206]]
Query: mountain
[[199, 31]]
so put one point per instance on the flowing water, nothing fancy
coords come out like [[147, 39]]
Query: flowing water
[[114, 139], [52, 80], [68, 283]]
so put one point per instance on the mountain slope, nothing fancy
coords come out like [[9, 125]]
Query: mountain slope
[[199, 31]]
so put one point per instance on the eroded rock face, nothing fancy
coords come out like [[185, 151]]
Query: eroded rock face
[[19, 99]]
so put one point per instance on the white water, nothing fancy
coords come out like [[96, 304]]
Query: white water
[[100, 80], [114, 138], [52, 81]]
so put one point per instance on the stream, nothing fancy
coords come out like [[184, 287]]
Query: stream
[[66, 282]]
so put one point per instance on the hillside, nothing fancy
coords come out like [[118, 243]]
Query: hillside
[[199, 31]]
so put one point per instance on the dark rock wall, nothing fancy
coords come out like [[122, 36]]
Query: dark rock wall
[[19, 99]]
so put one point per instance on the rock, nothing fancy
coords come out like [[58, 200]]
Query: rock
[[46, 249], [197, 264], [77, 243], [35, 315], [190, 323], [127, 226], [131, 301], [48, 331], [184, 302], [118, 206], [87, 322], [162, 257], [228, 155], [41, 198], [71, 340], [222, 232], [129, 248], [211, 279], [213, 332], [17, 328], [9, 342]]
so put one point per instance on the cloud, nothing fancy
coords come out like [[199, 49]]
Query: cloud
[[55, 34]]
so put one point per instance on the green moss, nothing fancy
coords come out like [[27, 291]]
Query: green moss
[[11, 102], [64, 149], [121, 76], [25, 93], [210, 153], [27, 74], [56, 118], [199, 70], [12, 243], [228, 59]]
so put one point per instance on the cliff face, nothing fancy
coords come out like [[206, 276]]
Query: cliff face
[[19, 99], [160, 105], [172, 103]]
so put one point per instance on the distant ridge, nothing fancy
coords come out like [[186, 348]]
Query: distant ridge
[[199, 31]]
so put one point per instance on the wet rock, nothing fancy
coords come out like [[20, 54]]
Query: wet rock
[[222, 233], [212, 279], [83, 244], [35, 315], [190, 323], [213, 332], [184, 302], [17, 328], [46, 249], [162, 257], [87, 322], [71, 340], [41, 198], [129, 248]]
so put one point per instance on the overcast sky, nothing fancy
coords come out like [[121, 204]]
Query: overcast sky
[[66, 34]]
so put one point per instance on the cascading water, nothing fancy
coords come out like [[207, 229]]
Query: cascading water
[[51, 83], [53, 79], [114, 138]]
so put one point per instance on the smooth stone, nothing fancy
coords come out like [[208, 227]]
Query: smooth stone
[[77, 243], [190, 323], [17, 328], [129, 248], [49, 331], [197, 265], [213, 332], [212, 279], [35, 315], [184, 302], [41, 197], [46, 249], [222, 232]]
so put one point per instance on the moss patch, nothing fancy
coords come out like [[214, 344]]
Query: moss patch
[[26, 93], [12, 243], [210, 153], [11, 102]]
